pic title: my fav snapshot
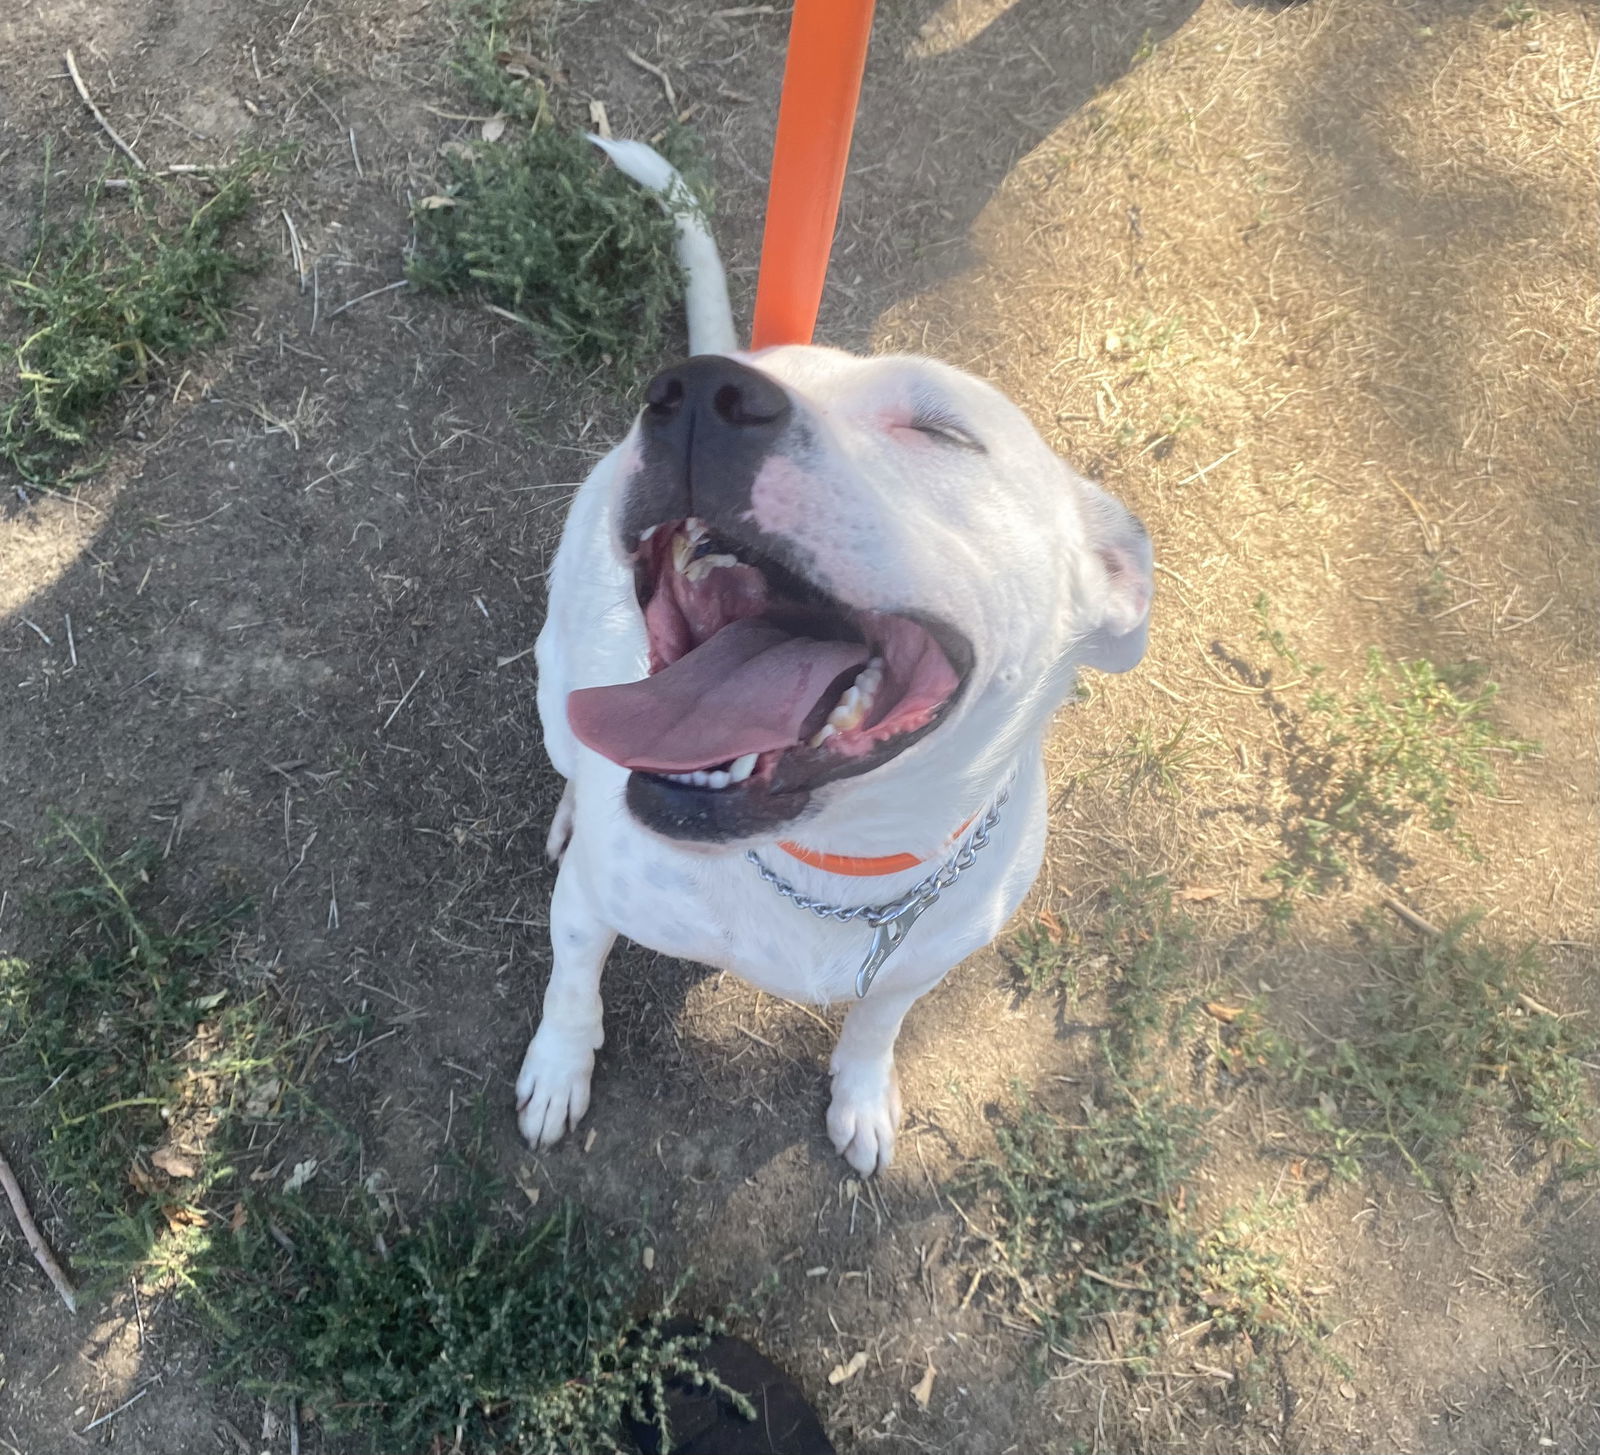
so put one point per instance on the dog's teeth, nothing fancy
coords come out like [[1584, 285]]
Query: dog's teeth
[[822, 734], [851, 710], [702, 566], [742, 768], [647, 532], [719, 779]]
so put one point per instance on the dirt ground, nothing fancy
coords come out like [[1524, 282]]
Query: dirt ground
[[304, 592]]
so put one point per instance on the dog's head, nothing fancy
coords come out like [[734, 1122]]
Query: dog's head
[[855, 574]]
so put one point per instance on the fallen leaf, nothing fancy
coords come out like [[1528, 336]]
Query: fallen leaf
[[922, 1390], [261, 1097], [841, 1372], [302, 1174], [241, 1215], [179, 1218], [1051, 926], [1347, 1390], [1227, 1014], [140, 1180], [173, 1162], [588, 1142], [649, 1259], [599, 120], [435, 202], [1196, 893], [495, 127]]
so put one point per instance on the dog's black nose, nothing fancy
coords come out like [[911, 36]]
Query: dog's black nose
[[717, 391], [707, 427]]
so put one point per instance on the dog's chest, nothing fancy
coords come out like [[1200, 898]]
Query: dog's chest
[[719, 911]]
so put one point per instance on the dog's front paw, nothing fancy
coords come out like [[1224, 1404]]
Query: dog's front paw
[[553, 1086], [864, 1113]]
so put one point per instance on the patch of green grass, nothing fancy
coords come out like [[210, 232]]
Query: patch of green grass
[[138, 1067], [1155, 761], [134, 1062], [1042, 959], [1149, 943], [1447, 1038], [1140, 941], [458, 1333], [1141, 345], [112, 302], [540, 225], [1096, 1218], [1410, 743]]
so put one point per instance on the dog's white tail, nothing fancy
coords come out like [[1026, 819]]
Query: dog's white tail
[[710, 314]]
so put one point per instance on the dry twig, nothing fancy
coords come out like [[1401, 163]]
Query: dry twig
[[35, 1240], [105, 126]]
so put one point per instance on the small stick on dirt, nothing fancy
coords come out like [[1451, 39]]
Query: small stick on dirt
[[112, 1414], [1411, 917], [405, 698], [105, 126], [296, 249], [355, 156], [362, 297], [294, 1426], [72, 646], [36, 1243], [658, 73]]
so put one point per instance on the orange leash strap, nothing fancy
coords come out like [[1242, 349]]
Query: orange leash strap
[[816, 115]]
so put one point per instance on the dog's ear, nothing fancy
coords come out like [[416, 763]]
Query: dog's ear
[[1120, 549]]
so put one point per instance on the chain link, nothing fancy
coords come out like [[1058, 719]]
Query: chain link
[[909, 906]]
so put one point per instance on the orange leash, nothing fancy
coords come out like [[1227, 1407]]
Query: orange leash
[[816, 115]]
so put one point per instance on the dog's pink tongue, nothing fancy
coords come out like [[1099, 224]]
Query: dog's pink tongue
[[749, 689]]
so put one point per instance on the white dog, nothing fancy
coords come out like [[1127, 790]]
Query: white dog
[[808, 626]]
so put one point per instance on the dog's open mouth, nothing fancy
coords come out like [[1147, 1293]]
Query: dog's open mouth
[[761, 685]]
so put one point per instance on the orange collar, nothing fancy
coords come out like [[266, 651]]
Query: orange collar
[[864, 868]]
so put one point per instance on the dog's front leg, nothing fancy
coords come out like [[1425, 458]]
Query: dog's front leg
[[553, 1086], [865, 1110]]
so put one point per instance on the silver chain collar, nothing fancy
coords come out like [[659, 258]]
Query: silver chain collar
[[892, 922]]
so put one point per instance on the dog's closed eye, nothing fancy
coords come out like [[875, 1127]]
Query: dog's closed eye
[[939, 425]]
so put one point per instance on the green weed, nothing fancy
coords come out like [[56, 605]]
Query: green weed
[[1447, 1039], [1042, 959], [135, 1061], [1095, 1219], [140, 1067], [112, 303], [457, 1333], [1141, 345], [1410, 743], [1141, 943], [539, 225], [1155, 762]]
